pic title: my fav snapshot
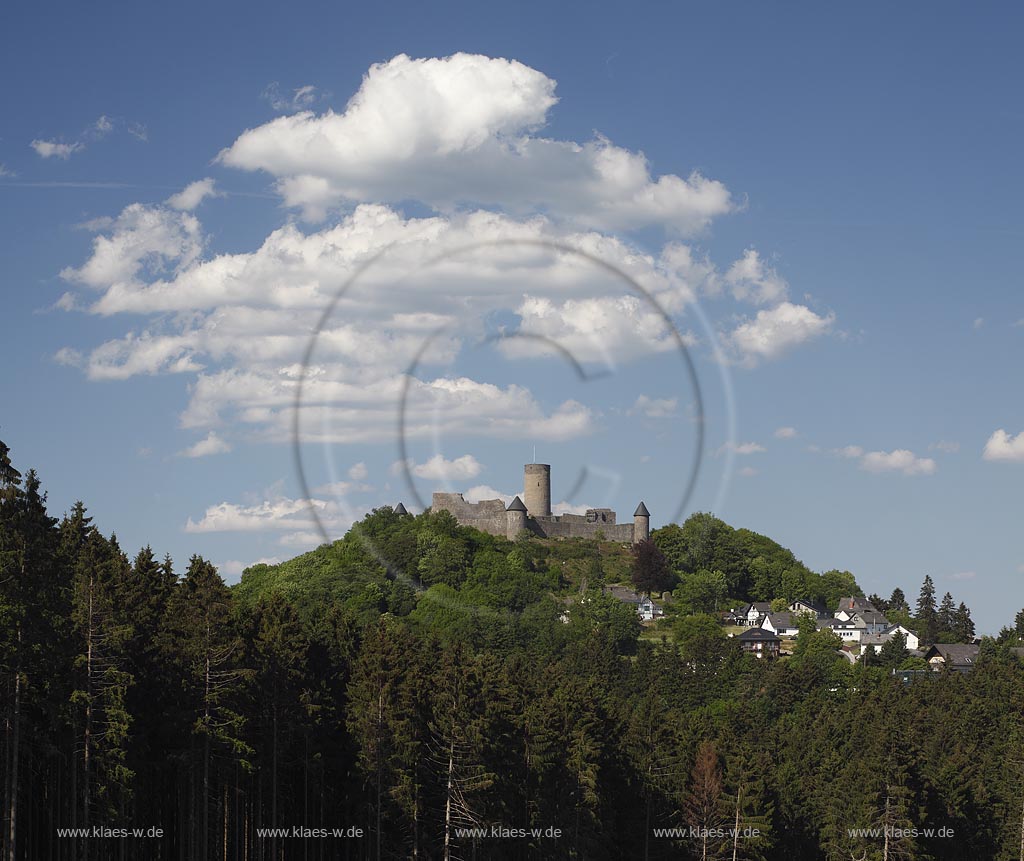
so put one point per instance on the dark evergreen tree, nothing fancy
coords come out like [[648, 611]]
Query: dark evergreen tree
[[946, 614], [963, 624], [894, 651], [927, 614]]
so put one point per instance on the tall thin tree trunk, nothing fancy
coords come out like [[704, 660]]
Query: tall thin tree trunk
[[273, 780], [206, 748], [87, 735], [885, 827], [736, 826], [448, 802], [12, 830], [380, 764], [1022, 825], [224, 852]]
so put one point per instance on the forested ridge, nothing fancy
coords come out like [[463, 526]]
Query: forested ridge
[[416, 678]]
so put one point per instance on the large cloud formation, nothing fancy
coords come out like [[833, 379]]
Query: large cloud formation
[[460, 136], [462, 130]]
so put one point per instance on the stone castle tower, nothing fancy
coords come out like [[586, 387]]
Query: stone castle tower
[[534, 515], [537, 487]]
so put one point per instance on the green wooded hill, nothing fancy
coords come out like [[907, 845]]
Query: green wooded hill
[[416, 679]]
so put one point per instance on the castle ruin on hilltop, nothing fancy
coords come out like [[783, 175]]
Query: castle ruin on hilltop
[[491, 515]]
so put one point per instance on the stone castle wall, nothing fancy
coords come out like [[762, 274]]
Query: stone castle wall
[[578, 526], [489, 515]]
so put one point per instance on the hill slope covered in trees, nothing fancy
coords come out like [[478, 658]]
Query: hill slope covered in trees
[[415, 679]]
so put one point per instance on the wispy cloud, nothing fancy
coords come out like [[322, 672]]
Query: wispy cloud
[[56, 149], [193, 194], [211, 444], [741, 448], [298, 99], [95, 131]]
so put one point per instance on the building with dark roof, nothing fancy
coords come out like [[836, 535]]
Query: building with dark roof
[[760, 642], [959, 657]]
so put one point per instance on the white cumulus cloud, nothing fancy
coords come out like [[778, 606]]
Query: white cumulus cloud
[[438, 468], [750, 280], [775, 331], [900, 460], [461, 129], [1002, 446]]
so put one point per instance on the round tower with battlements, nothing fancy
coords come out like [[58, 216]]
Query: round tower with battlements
[[516, 514], [537, 487], [641, 524]]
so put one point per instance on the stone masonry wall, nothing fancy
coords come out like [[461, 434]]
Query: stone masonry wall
[[488, 515]]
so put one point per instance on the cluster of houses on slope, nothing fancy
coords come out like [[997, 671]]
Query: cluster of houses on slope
[[855, 621]]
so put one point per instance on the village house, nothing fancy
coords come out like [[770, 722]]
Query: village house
[[647, 609], [880, 639], [874, 622], [958, 657], [781, 624], [760, 642], [848, 630], [849, 606], [754, 614], [820, 611]]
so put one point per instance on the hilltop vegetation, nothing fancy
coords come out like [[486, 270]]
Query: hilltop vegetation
[[386, 558], [416, 677]]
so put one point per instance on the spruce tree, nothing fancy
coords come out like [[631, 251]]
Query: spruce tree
[[927, 615], [963, 624], [946, 614]]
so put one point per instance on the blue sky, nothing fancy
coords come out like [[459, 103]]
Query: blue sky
[[824, 199]]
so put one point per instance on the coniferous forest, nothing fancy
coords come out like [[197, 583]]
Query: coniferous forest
[[421, 690]]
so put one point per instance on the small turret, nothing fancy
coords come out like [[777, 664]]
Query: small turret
[[516, 514], [400, 509], [641, 524]]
